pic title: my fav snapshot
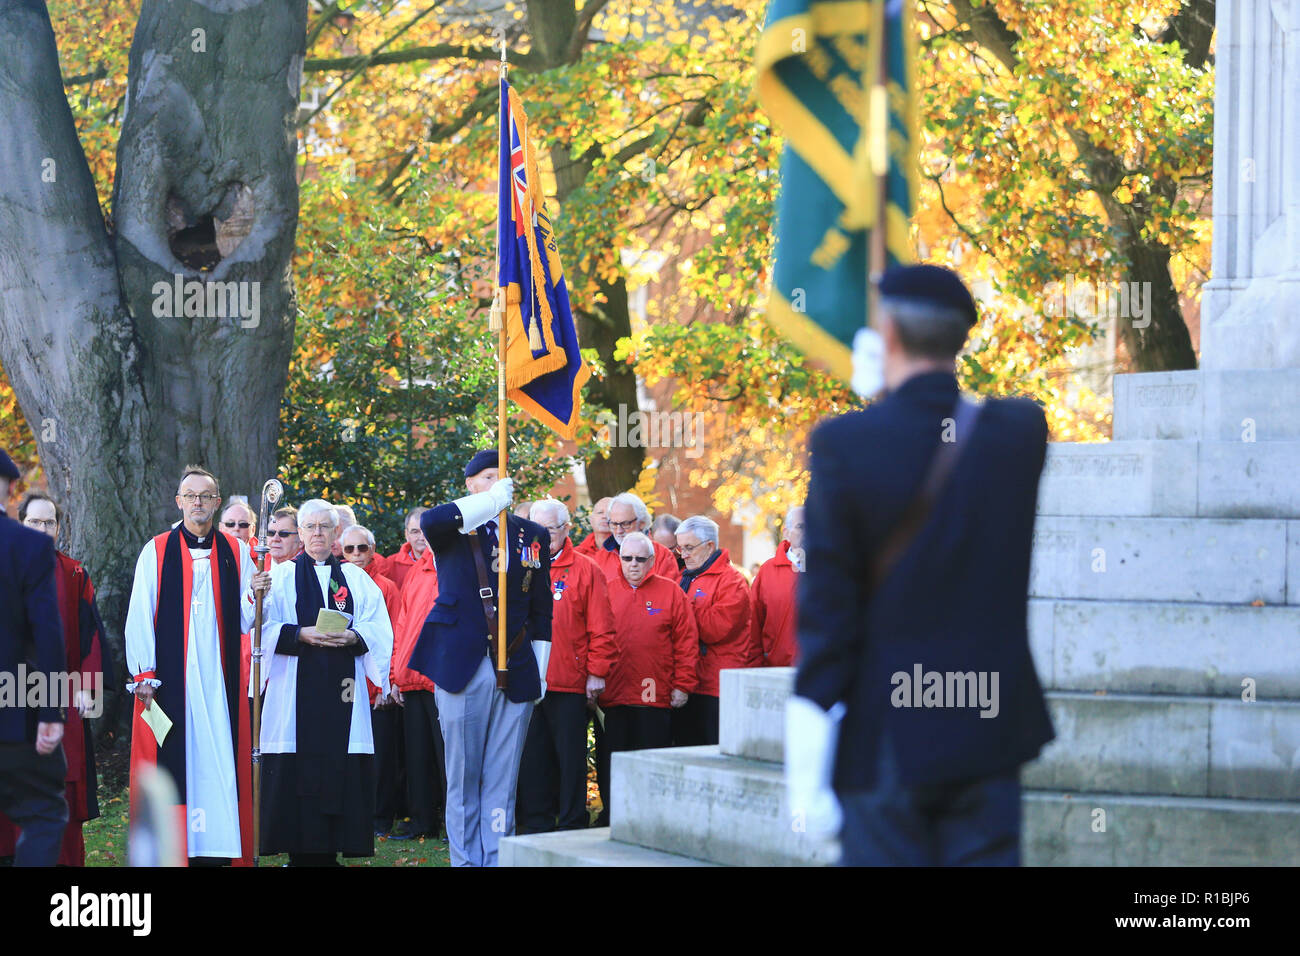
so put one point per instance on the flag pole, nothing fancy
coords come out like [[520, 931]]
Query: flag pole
[[879, 154], [497, 321]]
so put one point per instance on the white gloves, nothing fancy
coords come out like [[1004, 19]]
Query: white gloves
[[477, 510], [868, 363], [810, 738], [542, 651]]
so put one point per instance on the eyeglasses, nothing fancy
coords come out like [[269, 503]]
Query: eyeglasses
[[236, 524], [281, 534], [359, 548], [317, 528], [685, 549], [624, 525], [189, 498], [638, 558], [41, 523]]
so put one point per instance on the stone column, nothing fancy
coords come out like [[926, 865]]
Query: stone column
[[1250, 315]]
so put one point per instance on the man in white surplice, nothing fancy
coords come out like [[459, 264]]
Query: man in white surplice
[[317, 743], [190, 601]]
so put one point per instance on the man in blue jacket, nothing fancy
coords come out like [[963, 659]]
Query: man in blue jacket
[[31, 641], [483, 725], [912, 616]]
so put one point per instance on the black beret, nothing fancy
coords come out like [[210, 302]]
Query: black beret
[[7, 467], [933, 285], [487, 458]]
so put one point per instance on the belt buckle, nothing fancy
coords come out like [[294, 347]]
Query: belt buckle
[[485, 593]]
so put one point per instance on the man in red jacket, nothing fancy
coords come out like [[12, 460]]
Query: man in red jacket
[[719, 598], [595, 541], [426, 778], [658, 652], [773, 594], [399, 564], [628, 513], [386, 718], [552, 791]]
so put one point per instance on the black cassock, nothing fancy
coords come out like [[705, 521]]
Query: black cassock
[[321, 799]]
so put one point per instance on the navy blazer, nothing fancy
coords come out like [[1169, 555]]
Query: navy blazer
[[955, 602], [30, 630], [455, 637]]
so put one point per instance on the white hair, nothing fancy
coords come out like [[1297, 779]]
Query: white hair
[[789, 515], [556, 508], [370, 538], [706, 529], [637, 505], [636, 537], [318, 506], [347, 517]]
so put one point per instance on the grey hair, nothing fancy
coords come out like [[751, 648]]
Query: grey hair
[[553, 505], [789, 515], [636, 537], [667, 523], [706, 529], [370, 538], [638, 507], [345, 513], [925, 330], [318, 506]]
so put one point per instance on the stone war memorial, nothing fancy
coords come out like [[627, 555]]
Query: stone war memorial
[[1165, 587]]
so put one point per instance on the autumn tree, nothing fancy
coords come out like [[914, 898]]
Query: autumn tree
[[122, 381]]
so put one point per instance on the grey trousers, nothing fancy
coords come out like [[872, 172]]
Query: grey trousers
[[484, 736]]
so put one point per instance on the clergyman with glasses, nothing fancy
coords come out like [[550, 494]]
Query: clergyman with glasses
[[191, 600]]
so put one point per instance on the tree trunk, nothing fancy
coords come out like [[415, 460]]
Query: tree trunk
[[120, 391]]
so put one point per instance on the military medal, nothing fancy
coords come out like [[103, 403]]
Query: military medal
[[559, 589]]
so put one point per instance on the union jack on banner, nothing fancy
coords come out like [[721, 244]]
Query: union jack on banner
[[544, 369]]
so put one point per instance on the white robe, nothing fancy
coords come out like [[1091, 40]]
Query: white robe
[[280, 677], [211, 783]]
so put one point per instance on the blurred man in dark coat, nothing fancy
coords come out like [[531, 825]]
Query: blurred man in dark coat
[[32, 765], [912, 620]]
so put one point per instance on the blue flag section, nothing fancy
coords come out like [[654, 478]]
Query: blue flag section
[[544, 369], [819, 77]]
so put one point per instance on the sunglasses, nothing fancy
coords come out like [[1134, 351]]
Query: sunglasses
[[281, 534], [361, 548], [638, 558], [236, 524]]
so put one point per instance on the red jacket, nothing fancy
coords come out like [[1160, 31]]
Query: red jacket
[[418, 595], [719, 596], [665, 563], [775, 622], [399, 564], [658, 647], [393, 602], [589, 547], [582, 629]]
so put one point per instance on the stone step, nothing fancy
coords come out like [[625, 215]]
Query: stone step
[[1127, 743], [1180, 746], [1209, 405], [584, 848], [1149, 647], [1212, 479], [1218, 560], [698, 801], [1065, 829]]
